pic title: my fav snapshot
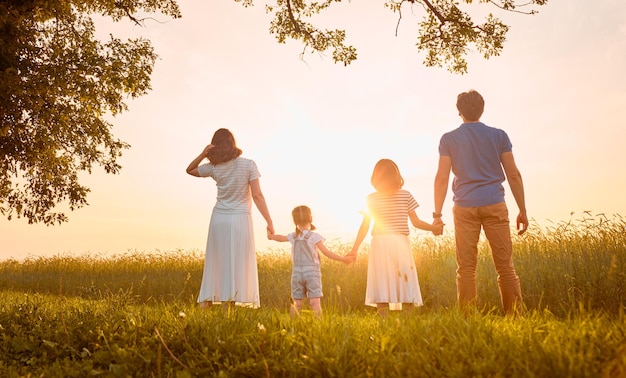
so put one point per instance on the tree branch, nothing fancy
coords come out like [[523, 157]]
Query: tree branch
[[291, 17], [399, 16], [513, 9], [435, 11]]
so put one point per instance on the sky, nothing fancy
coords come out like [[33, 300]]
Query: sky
[[316, 128]]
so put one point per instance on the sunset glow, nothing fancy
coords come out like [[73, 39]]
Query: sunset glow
[[316, 129]]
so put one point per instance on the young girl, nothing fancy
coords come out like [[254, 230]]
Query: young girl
[[391, 274], [306, 277]]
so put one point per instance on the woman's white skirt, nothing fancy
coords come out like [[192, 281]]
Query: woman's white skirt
[[391, 273], [230, 266]]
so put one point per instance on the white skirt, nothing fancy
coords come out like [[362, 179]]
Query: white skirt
[[391, 273], [230, 267]]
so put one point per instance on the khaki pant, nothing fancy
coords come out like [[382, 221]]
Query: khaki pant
[[494, 220]]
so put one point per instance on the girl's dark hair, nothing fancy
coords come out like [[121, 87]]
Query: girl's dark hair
[[386, 176], [225, 147], [302, 215]]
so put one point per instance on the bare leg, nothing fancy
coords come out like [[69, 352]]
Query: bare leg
[[205, 304], [382, 309], [295, 308], [316, 306]]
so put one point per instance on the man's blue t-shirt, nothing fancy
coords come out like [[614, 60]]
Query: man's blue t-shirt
[[475, 149]]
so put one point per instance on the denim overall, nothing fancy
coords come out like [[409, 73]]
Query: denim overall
[[306, 278]]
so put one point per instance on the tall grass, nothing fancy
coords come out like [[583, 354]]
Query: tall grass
[[135, 315], [574, 264]]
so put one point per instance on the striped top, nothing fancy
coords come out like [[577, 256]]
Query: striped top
[[391, 212], [233, 183]]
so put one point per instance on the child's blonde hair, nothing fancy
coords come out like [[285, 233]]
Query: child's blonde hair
[[301, 216]]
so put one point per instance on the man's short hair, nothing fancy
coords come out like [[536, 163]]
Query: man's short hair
[[471, 105]]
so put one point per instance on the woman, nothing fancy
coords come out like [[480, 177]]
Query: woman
[[230, 273]]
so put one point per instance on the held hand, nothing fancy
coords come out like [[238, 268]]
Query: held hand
[[522, 223], [349, 259], [270, 230], [437, 226], [353, 253], [438, 230]]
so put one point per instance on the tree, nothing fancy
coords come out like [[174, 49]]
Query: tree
[[56, 84], [445, 32]]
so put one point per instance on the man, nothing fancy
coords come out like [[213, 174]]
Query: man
[[480, 156]]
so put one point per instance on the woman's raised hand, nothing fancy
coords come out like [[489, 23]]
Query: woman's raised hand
[[206, 150]]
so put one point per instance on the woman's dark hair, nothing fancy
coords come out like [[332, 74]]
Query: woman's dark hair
[[386, 176], [225, 147], [302, 215]]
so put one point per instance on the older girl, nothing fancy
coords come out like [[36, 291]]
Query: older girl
[[391, 274]]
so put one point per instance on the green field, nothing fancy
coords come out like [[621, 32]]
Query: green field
[[135, 315]]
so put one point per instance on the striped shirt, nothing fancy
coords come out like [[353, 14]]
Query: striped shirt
[[391, 211], [233, 183]]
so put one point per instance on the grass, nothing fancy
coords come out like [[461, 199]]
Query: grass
[[135, 315]]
